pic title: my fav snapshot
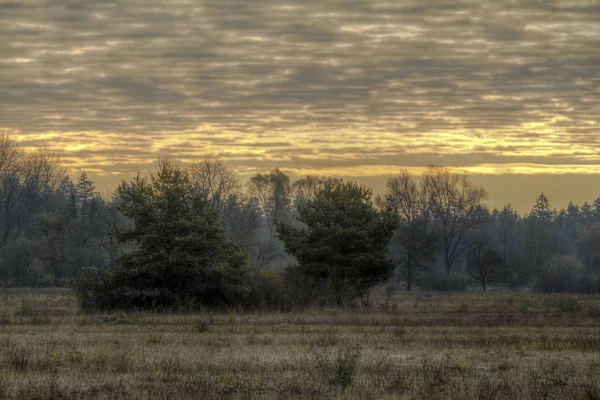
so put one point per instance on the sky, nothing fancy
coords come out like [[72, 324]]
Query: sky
[[506, 91]]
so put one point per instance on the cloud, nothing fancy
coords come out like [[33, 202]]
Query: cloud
[[312, 86]]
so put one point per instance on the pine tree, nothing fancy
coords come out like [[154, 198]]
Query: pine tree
[[86, 190], [345, 239], [183, 257], [597, 209], [541, 209]]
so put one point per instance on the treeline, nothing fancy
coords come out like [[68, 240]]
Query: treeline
[[196, 236]]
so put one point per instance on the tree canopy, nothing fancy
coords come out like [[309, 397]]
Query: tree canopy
[[344, 239], [182, 256]]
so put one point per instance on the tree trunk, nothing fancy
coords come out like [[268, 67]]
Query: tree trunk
[[409, 274], [447, 264], [505, 248]]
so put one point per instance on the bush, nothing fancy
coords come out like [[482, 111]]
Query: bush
[[345, 366], [340, 371], [99, 290], [94, 289], [562, 275], [303, 291], [264, 288], [200, 326], [441, 283]]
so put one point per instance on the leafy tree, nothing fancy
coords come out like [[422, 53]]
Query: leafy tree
[[344, 240], [182, 257]]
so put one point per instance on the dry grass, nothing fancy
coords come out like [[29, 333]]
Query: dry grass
[[421, 346]]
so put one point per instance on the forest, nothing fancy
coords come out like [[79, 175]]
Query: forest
[[190, 236]]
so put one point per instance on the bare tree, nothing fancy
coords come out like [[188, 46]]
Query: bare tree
[[271, 192], [483, 262], [213, 177], [413, 245], [11, 169], [456, 205], [307, 188]]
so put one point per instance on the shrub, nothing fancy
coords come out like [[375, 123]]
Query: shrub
[[442, 283], [562, 275], [344, 367], [264, 288], [200, 326], [340, 371], [94, 289]]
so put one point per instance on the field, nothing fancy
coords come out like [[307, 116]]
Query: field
[[413, 346]]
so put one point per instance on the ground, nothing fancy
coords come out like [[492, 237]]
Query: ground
[[417, 345]]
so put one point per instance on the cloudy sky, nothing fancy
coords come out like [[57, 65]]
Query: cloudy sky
[[508, 91]]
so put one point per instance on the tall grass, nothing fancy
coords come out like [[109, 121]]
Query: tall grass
[[412, 346]]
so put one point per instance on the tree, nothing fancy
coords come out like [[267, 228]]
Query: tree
[[212, 177], [307, 188], [413, 245], [112, 222], [86, 190], [10, 185], [271, 192], [56, 236], [483, 262], [344, 240], [182, 255], [538, 242], [242, 219], [541, 210], [507, 223], [456, 206], [589, 248], [596, 210]]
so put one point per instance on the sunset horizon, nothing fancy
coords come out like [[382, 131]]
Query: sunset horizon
[[506, 92]]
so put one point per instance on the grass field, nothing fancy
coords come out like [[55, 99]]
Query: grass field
[[420, 346]]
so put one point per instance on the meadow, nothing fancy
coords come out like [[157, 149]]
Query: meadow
[[409, 346]]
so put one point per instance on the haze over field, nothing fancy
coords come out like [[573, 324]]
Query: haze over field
[[507, 91]]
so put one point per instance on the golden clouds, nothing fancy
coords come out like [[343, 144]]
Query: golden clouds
[[352, 89]]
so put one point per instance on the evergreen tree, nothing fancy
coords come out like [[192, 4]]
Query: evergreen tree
[[182, 257], [344, 240], [587, 213], [86, 190], [596, 212], [541, 210], [507, 224]]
